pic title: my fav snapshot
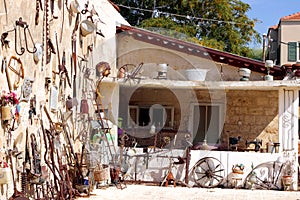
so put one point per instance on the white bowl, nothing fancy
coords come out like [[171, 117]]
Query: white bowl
[[244, 72], [195, 74]]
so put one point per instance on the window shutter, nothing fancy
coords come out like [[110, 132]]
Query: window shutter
[[292, 51]]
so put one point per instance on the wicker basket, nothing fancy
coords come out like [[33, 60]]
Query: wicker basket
[[101, 173]]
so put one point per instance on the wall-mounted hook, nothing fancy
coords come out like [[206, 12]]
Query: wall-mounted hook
[[22, 24]]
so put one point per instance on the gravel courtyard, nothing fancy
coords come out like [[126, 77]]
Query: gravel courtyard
[[142, 192]]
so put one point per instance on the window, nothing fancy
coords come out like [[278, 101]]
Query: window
[[292, 51], [142, 116], [206, 123], [132, 116]]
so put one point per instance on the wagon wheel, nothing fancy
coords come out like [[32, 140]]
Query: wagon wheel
[[208, 172], [267, 176]]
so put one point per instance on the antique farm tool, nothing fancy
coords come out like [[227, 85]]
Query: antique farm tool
[[49, 45], [74, 40], [19, 73], [32, 108], [37, 14], [17, 195], [208, 172], [49, 146], [124, 72], [266, 176], [62, 70], [26, 166], [36, 160], [21, 24], [3, 65]]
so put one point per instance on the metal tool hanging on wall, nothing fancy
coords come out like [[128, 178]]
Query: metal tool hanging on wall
[[39, 7], [48, 43], [22, 24], [19, 72], [62, 70]]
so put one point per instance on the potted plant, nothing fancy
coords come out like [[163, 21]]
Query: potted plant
[[238, 168], [8, 99]]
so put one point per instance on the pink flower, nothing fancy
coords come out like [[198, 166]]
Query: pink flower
[[10, 97]]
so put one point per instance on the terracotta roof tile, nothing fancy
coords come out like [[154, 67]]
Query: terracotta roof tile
[[274, 27], [295, 16]]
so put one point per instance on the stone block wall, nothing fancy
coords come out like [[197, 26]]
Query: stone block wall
[[251, 114]]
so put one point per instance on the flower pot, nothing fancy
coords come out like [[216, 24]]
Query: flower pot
[[6, 113], [287, 180]]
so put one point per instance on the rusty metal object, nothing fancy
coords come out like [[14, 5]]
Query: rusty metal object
[[187, 164], [17, 195], [47, 33], [20, 73], [36, 160], [22, 24], [37, 14], [49, 145], [62, 70]]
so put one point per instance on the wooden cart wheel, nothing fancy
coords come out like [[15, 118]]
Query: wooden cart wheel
[[267, 176], [208, 172]]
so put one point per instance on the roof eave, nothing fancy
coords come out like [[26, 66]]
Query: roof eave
[[199, 51]]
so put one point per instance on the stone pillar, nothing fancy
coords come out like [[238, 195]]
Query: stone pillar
[[288, 128]]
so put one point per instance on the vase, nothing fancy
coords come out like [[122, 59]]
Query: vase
[[6, 112]]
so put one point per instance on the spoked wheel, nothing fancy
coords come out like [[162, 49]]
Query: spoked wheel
[[208, 172], [266, 176]]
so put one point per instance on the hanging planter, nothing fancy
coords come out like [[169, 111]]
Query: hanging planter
[[8, 100]]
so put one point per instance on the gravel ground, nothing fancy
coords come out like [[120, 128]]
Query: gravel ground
[[142, 192]]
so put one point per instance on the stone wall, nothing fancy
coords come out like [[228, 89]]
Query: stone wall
[[56, 28], [251, 114]]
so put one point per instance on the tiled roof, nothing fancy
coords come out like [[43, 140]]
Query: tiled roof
[[295, 16], [274, 27], [197, 50]]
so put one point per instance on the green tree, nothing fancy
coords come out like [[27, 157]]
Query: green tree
[[219, 24]]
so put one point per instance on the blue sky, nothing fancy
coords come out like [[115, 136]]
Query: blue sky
[[270, 11]]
